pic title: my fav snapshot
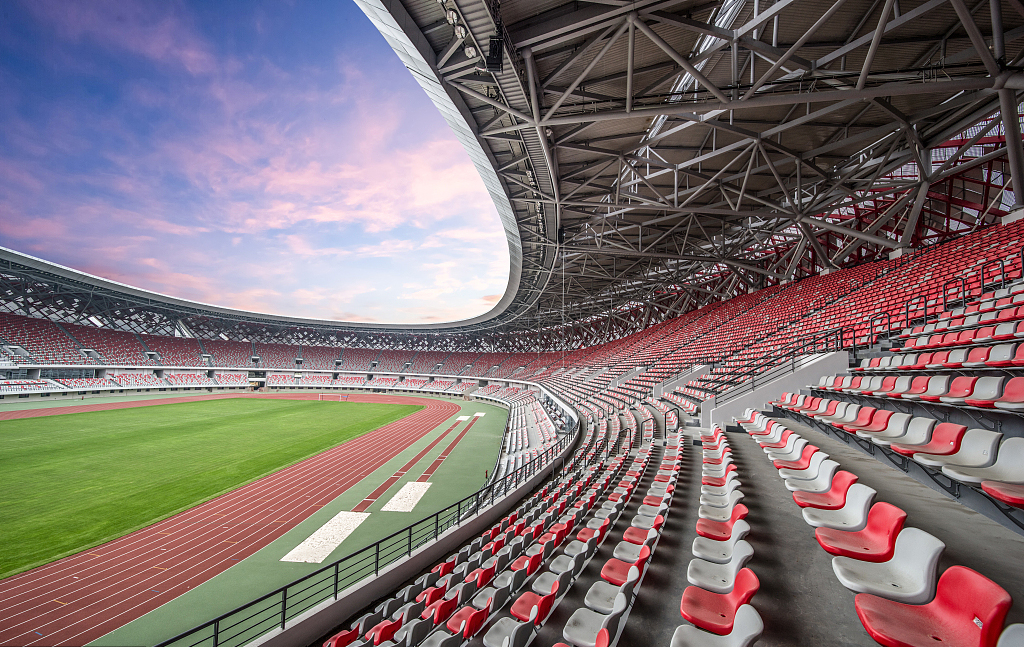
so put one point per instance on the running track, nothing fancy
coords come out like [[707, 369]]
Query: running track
[[77, 599]]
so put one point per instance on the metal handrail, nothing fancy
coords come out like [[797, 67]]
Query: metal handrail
[[984, 266], [827, 341], [963, 291], [882, 316], [906, 309], [274, 609]]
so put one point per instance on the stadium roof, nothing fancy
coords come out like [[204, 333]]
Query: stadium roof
[[649, 157]]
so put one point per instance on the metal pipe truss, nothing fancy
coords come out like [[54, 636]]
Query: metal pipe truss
[[649, 157]]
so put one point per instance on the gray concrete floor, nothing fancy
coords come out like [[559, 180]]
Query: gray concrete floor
[[800, 600], [971, 538]]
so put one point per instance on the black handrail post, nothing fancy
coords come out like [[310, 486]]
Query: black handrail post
[[437, 525], [284, 606], [984, 266], [410, 542], [376, 558], [963, 291], [336, 573], [216, 632]]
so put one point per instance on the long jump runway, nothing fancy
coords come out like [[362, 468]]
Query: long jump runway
[[75, 600]]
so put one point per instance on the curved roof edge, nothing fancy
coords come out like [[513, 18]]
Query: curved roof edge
[[393, 21], [402, 34], [12, 259]]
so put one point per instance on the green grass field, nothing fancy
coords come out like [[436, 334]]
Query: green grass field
[[70, 482]]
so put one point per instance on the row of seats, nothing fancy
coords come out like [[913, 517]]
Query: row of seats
[[717, 604], [961, 391], [26, 386], [974, 457], [609, 599], [891, 566], [88, 383], [1001, 356], [453, 601], [517, 562]]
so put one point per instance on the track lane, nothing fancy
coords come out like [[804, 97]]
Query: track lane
[[82, 597]]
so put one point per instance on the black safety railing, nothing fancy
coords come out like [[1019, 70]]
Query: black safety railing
[[923, 309], [783, 362], [275, 609], [945, 291]]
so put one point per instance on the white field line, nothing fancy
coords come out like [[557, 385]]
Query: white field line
[[407, 498], [318, 546]]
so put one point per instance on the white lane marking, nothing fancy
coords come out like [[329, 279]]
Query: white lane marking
[[461, 418], [318, 546], [407, 498], [478, 414]]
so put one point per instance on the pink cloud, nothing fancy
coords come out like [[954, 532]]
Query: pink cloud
[[131, 27]]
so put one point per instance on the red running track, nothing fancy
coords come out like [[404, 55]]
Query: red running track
[[75, 600]]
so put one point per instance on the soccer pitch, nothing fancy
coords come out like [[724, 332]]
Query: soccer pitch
[[70, 482]]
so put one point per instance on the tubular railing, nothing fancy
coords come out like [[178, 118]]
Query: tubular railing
[[782, 363], [906, 309], [945, 292], [1002, 272], [883, 317], [274, 609]]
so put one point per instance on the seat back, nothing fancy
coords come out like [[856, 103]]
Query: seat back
[[545, 602], [859, 497], [744, 587], [983, 333], [390, 606], [413, 610], [369, 621], [412, 591], [851, 413], [886, 520], [840, 410], [937, 385], [741, 554], [611, 621], [978, 355], [864, 416], [977, 449], [902, 384], [1002, 353], [978, 604], [957, 357], [738, 512], [917, 552], [988, 388], [897, 425], [919, 430], [961, 387], [520, 636]]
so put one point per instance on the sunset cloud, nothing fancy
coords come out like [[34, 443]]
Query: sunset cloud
[[280, 160]]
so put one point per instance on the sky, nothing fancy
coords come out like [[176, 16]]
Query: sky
[[268, 156]]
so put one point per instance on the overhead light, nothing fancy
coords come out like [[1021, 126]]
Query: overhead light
[[460, 31], [470, 52], [451, 16]]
